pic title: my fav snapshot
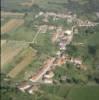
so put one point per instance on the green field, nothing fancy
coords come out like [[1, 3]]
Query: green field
[[84, 93], [22, 34], [90, 38], [13, 5], [72, 92], [4, 21]]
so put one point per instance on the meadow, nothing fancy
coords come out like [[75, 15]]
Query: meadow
[[13, 5], [22, 34], [72, 92], [84, 93]]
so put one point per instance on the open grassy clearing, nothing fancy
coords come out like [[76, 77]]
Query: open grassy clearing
[[26, 59], [10, 25]]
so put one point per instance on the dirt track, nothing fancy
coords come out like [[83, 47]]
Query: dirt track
[[6, 14]]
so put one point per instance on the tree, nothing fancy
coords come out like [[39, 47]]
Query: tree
[[92, 50], [72, 50], [96, 76]]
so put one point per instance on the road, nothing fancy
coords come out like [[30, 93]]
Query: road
[[36, 35], [43, 71]]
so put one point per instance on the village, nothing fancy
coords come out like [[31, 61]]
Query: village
[[49, 50], [63, 38]]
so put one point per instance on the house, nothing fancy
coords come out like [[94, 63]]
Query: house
[[76, 31], [32, 89], [43, 28], [45, 19], [41, 13], [58, 53], [23, 86], [55, 37], [51, 27], [60, 61], [69, 20], [68, 32], [82, 67], [46, 67], [62, 46], [97, 14], [48, 81], [49, 74], [47, 78], [76, 61]]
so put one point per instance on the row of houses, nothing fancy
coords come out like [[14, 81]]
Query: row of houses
[[85, 23], [25, 86], [43, 73], [46, 67], [53, 14]]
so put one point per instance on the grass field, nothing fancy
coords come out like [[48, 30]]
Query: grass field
[[61, 91], [44, 44], [31, 68], [26, 59], [72, 92], [9, 51], [89, 38], [6, 15], [11, 24], [4, 20], [13, 5], [84, 93], [22, 33]]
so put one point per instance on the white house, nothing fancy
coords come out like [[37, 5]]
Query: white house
[[68, 32]]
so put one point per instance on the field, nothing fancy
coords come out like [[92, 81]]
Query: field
[[72, 92], [4, 20], [31, 68], [5, 14], [9, 51], [44, 44], [89, 37], [3, 42], [13, 5], [84, 93], [10, 25], [22, 33], [26, 60]]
